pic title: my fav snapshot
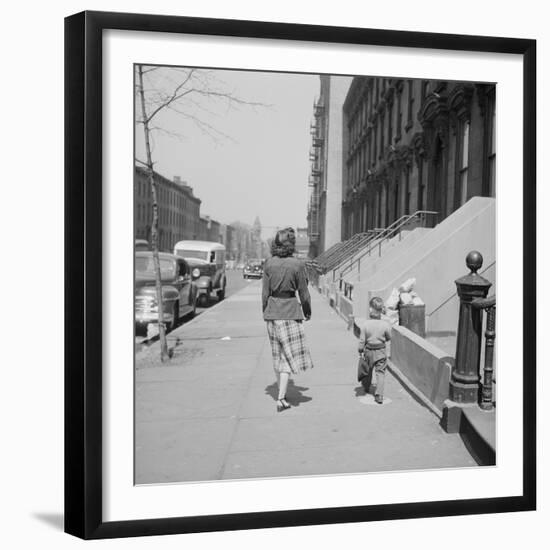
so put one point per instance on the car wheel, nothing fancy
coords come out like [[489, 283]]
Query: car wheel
[[175, 316], [194, 310]]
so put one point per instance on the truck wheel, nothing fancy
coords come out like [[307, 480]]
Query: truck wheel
[[221, 294], [205, 299]]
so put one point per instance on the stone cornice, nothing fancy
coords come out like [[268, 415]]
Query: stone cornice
[[434, 107], [434, 117], [419, 146], [460, 101]]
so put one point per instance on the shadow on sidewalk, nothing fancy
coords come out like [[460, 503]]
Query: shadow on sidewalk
[[293, 393]]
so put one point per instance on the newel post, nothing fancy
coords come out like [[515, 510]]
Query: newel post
[[464, 384]]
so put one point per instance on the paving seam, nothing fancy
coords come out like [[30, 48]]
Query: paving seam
[[238, 415]]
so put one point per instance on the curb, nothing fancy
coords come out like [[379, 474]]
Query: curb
[[173, 335]]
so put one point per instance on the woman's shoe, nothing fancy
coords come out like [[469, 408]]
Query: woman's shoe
[[282, 405]]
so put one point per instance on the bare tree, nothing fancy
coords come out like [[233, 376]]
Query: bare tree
[[188, 93]]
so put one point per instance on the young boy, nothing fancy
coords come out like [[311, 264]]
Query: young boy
[[372, 348]]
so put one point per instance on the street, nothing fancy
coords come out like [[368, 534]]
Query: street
[[210, 412]]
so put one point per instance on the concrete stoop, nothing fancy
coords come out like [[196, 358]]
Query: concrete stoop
[[478, 431]]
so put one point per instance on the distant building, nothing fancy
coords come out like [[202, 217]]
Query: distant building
[[209, 229], [245, 245], [203, 228], [257, 238], [226, 238], [302, 242], [414, 145], [178, 209]]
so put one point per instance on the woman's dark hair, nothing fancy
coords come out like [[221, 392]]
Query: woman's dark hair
[[284, 243]]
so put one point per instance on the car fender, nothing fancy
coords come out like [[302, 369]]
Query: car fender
[[203, 282], [170, 294]]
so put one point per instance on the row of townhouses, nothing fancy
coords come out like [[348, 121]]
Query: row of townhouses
[[384, 147], [402, 188], [180, 219]]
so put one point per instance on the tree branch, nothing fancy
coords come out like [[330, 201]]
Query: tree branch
[[175, 96]]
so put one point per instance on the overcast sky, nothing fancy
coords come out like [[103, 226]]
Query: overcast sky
[[262, 168]]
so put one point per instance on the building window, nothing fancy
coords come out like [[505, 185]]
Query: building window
[[390, 124], [381, 135], [399, 117], [425, 88], [371, 102], [380, 220], [421, 186], [410, 105], [463, 162], [491, 150], [375, 148], [395, 216], [407, 190]]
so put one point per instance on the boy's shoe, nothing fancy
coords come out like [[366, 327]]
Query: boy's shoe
[[379, 399]]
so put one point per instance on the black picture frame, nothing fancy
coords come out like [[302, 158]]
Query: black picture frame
[[83, 273]]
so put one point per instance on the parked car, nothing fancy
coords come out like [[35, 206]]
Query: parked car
[[179, 292], [253, 270], [207, 261], [141, 244]]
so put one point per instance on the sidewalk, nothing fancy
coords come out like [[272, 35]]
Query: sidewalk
[[211, 413]]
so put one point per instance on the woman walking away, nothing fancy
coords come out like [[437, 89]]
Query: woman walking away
[[283, 277]]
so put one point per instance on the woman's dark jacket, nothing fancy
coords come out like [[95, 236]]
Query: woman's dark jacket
[[282, 279]]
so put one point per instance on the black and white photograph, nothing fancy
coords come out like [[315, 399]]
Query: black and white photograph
[[315, 274], [251, 275]]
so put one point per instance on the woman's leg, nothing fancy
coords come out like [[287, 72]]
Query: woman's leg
[[283, 384]]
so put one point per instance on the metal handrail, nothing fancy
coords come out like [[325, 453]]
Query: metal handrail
[[366, 238], [350, 246], [344, 246], [388, 233], [329, 251]]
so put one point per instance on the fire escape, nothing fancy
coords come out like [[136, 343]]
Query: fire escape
[[315, 177]]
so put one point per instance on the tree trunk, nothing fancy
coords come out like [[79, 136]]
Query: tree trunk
[[154, 228]]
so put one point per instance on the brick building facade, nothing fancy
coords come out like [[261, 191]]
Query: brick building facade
[[414, 145], [178, 210]]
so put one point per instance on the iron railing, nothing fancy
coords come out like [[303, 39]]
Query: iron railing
[[394, 229], [488, 305], [333, 260]]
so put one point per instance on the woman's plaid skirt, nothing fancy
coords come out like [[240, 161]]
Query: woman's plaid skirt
[[288, 346]]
